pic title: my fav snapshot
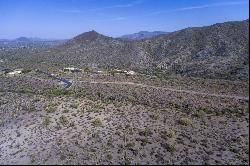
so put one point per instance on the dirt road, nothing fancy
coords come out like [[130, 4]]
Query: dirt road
[[169, 89]]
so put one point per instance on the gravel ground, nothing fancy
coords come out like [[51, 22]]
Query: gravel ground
[[68, 129]]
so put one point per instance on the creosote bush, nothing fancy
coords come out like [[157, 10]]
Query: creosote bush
[[96, 122], [185, 121], [59, 92]]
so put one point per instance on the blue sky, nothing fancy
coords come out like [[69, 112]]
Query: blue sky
[[67, 18]]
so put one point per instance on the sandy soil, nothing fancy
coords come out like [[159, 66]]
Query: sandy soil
[[73, 129]]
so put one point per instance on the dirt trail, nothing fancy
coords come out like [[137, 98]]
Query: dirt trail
[[169, 89], [161, 88]]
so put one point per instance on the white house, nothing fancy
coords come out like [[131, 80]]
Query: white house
[[15, 72], [72, 69], [130, 72], [118, 71]]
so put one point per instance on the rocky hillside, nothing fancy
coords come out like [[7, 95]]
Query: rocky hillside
[[220, 50], [217, 51], [95, 50]]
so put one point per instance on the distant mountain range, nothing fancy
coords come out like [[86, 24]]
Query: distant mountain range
[[136, 36], [23, 39], [29, 42], [26, 39], [142, 35], [217, 51]]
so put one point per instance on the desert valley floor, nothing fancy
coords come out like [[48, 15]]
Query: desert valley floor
[[120, 119]]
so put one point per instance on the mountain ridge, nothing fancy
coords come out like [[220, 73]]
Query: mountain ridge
[[217, 51], [142, 35]]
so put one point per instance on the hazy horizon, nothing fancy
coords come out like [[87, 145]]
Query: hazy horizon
[[64, 19]]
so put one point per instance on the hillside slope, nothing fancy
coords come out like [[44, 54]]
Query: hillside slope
[[220, 50], [217, 51], [96, 50]]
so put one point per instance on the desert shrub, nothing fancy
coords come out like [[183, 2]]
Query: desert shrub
[[167, 134], [146, 132], [200, 113], [31, 108], [171, 134], [99, 94], [109, 157], [144, 141], [96, 108], [131, 99], [127, 161], [63, 120], [174, 106], [171, 147], [71, 124], [111, 98], [130, 145], [74, 105], [155, 116], [185, 121], [65, 111], [130, 131], [59, 92], [50, 109], [96, 122], [46, 121], [206, 110]]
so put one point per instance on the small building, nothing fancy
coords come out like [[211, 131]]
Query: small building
[[96, 72], [130, 72], [118, 71], [71, 69], [15, 72]]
